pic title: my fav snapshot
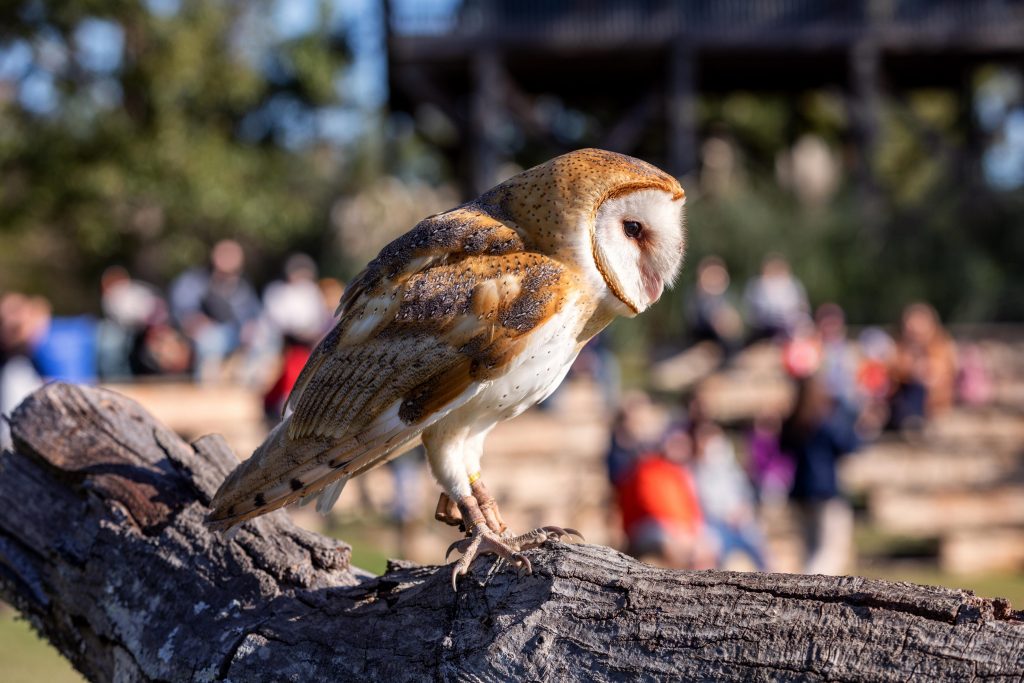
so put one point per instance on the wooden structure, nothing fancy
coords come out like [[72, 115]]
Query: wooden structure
[[525, 79], [103, 549]]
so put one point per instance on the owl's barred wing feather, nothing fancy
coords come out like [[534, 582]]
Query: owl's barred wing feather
[[444, 237], [441, 311]]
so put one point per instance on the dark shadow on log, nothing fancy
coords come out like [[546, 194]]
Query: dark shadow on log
[[103, 548]]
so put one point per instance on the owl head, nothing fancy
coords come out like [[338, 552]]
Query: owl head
[[620, 220]]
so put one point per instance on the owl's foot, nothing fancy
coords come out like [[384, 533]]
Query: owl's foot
[[486, 542], [509, 548], [540, 536]]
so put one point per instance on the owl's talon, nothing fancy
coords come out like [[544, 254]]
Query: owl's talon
[[455, 575], [567, 532], [461, 545], [522, 564]]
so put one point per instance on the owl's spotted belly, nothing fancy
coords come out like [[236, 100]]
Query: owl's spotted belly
[[541, 367]]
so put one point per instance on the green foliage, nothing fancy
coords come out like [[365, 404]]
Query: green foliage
[[192, 137], [930, 228]]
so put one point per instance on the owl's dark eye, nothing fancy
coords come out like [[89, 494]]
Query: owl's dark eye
[[633, 229]]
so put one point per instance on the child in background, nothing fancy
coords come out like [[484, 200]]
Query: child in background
[[770, 469], [660, 510]]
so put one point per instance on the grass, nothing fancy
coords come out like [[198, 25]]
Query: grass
[[27, 658], [366, 551], [1009, 586]]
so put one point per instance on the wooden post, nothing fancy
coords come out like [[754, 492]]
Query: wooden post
[[486, 114], [864, 104], [682, 108]]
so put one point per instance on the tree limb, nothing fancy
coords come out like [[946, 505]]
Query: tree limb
[[103, 548]]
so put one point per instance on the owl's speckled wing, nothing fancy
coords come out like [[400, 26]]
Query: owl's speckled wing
[[442, 309]]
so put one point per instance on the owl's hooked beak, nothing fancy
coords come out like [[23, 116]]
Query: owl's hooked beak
[[654, 286]]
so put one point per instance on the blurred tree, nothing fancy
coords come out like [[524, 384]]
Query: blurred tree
[[947, 232], [140, 132]]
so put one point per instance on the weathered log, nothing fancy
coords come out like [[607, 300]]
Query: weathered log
[[103, 549]]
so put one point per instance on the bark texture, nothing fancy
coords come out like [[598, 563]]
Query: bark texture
[[103, 549]]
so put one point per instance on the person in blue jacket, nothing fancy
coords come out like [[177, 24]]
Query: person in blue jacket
[[816, 435]]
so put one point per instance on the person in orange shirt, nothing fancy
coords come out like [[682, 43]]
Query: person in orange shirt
[[660, 509]]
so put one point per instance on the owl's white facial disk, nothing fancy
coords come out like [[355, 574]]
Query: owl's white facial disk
[[638, 244]]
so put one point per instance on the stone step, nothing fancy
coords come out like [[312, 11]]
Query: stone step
[[936, 513], [192, 410], [986, 424], [904, 466], [982, 551]]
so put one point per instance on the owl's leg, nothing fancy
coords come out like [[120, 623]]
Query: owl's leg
[[447, 447], [488, 506], [448, 512], [472, 454]]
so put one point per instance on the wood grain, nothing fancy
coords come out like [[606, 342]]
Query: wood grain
[[102, 547]]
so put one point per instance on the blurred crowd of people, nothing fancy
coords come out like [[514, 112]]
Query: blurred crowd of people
[[211, 326], [691, 495], [684, 499], [892, 383]]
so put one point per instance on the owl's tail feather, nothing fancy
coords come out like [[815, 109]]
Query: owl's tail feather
[[326, 498], [282, 470]]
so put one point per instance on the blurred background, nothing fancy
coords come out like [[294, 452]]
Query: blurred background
[[835, 385]]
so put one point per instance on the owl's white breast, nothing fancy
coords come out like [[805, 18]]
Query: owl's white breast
[[535, 373]]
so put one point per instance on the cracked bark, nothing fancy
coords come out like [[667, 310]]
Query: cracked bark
[[103, 549]]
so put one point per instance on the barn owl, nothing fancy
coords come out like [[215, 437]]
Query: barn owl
[[467, 320]]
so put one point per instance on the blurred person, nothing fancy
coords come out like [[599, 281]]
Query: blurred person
[[294, 310], [817, 433], [974, 383], [726, 497], [838, 357], [331, 290], [68, 352], [22, 324], [876, 357], [802, 351], [160, 349], [407, 476], [776, 300], [628, 436], [660, 508], [216, 307], [60, 348], [295, 305], [924, 369], [713, 317], [770, 468], [129, 306]]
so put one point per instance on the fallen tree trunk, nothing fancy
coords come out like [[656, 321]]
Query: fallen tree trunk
[[103, 549]]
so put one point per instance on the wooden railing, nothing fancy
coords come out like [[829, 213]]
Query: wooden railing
[[576, 20]]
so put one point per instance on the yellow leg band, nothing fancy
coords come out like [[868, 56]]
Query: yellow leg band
[[474, 478]]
